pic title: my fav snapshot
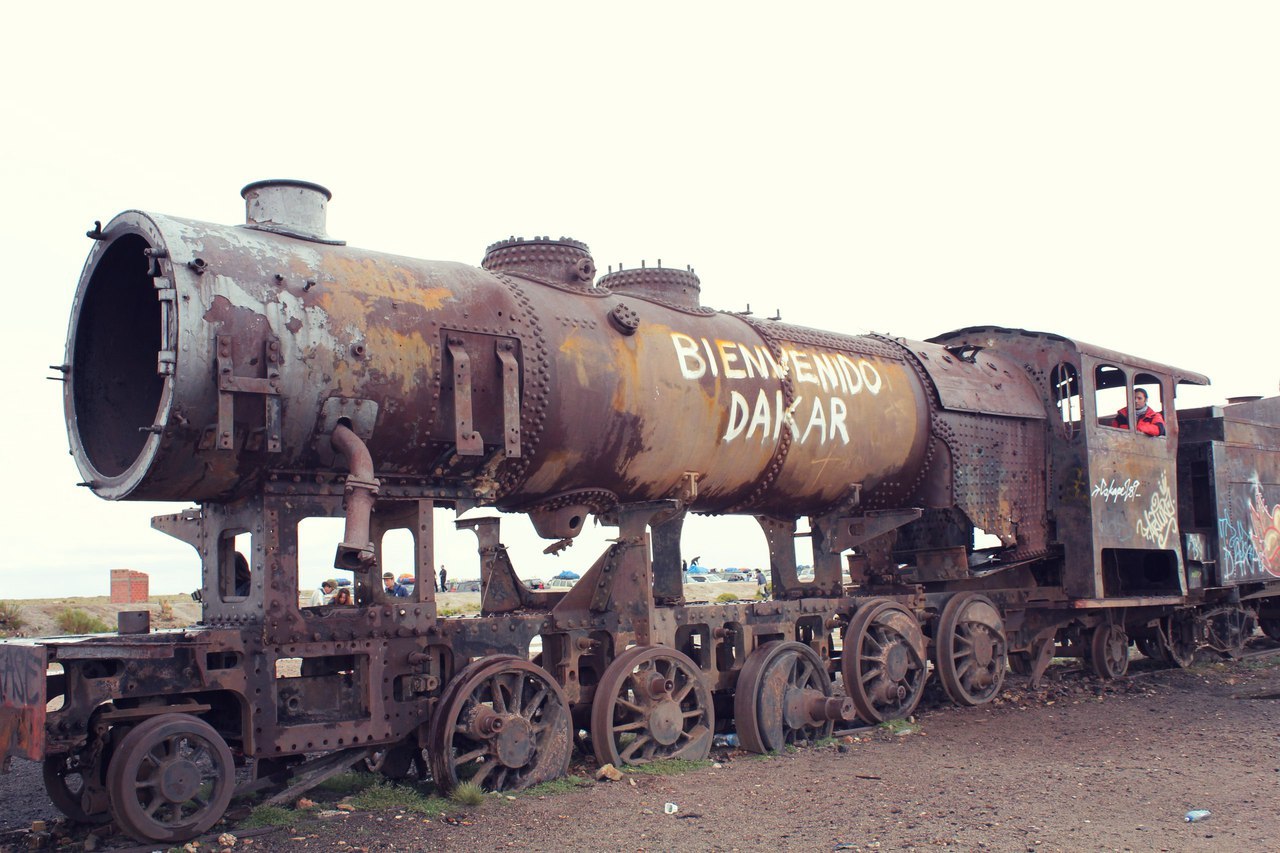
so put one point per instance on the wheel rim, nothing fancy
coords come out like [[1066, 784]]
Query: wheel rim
[[783, 696], [1109, 651], [883, 663], [502, 724], [971, 649], [64, 780], [170, 779], [651, 704]]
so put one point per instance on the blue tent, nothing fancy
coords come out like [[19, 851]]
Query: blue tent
[[568, 575], [695, 569]]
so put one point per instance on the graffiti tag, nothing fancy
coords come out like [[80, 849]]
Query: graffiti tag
[[1156, 524], [1239, 557], [1110, 490]]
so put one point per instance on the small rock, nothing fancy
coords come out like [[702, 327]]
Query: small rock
[[848, 739], [226, 839], [90, 843], [840, 747], [304, 804], [717, 765], [191, 846], [609, 772], [633, 782]]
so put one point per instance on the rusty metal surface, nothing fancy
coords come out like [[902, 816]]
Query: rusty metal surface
[[274, 375], [22, 700]]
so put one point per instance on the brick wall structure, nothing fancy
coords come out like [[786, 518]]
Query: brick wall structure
[[128, 586]]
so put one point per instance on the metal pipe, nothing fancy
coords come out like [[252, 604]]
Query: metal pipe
[[359, 496]]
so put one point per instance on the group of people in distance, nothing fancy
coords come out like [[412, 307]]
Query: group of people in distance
[[331, 592]]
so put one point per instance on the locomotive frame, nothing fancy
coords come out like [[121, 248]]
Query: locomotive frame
[[1106, 536]]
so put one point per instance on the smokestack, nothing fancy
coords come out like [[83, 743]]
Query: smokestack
[[288, 207]]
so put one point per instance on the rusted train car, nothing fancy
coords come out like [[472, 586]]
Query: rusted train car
[[271, 374]]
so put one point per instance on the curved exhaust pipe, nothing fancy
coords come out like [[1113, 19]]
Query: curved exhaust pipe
[[359, 495]]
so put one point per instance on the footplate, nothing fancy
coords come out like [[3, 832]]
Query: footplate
[[22, 700]]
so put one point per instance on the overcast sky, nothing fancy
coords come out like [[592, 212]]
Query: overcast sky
[[1108, 171]]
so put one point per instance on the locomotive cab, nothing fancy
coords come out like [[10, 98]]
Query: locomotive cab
[[1126, 435], [1111, 464]]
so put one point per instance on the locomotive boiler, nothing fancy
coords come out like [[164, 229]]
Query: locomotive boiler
[[270, 374]]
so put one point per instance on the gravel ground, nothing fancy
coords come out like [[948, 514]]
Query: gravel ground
[[1078, 765]]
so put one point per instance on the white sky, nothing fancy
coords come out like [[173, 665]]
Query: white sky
[[1107, 171]]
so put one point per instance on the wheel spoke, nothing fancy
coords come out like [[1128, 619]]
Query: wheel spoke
[[468, 757], [499, 701], [483, 771], [636, 726], [535, 704], [640, 741]]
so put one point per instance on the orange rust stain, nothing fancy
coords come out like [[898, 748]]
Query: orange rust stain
[[399, 355], [583, 352]]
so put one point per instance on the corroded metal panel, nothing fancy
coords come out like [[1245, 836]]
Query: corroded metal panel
[[22, 699]]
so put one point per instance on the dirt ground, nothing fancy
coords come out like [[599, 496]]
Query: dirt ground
[[1077, 765]]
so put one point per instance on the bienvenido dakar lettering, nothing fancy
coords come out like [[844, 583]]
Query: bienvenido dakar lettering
[[823, 412]]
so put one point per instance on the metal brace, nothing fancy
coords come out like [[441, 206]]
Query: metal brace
[[510, 397], [229, 385], [468, 441]]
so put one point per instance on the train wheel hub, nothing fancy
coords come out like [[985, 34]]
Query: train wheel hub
[[983, 649], [666, 722], [179, 781], [897, 662], [515, 743]]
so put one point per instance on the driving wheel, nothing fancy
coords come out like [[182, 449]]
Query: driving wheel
[[972, 651], [883, 663], [651, 704], [784, 696], [503, 724], [170, 778], [1109, 651]]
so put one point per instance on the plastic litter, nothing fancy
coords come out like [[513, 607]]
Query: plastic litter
[[671, 808], [731, 739], [1196, 815]]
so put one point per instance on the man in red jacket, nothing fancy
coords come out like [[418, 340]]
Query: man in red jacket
[[1150, 422]]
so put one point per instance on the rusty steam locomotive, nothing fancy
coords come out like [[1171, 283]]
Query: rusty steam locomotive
[[271, 374]]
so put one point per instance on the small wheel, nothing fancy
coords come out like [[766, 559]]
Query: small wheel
[[1109, 651], [170, 779], [972, 652], [652, 703], [883, 665], [396, 761], [1180, 629], [64, 780], [1020, 663], [783, 696], [1153, 648], [503, 724]]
